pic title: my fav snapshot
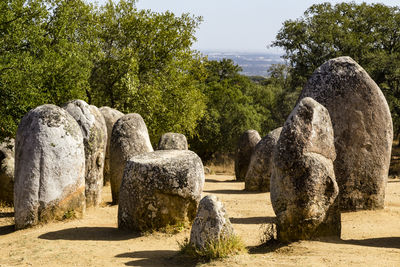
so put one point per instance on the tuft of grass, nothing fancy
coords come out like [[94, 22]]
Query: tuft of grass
[[217, 249], [69, 215]]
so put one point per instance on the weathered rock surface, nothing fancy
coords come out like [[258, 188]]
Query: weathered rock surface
[[160, 188], [94, 132], [245, 148], [7, 171], [110, 116], [303, 186], [129, 138], [258, 175], [363, 130], [211, 223], [49, 167], [173, 141]]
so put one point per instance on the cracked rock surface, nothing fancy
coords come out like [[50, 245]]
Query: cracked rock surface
[[211, 223], [303, 185], [94, 132], [129, 138], [363, 131], [49, 167], [159, 189]]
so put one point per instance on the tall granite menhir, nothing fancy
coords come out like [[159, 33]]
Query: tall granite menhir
[[129, 138], [94, 132], [110, 116], [245, 148], [303, 186], [49, 167], [362, 127]]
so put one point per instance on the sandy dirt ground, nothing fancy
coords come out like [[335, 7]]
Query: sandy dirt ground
[[369, 238]]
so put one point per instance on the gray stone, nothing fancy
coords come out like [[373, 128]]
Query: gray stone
[[49, 167], [159, 189], [94, 132], [173, 141], [129, 138], [363, 131], [303, 186], [110, 116], [7, 171], [211, 223], [245, 148], [258, 175]]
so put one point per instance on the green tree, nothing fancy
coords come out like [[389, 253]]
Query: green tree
[[146, 65], [44, 56], [230, 110], [367, 33]]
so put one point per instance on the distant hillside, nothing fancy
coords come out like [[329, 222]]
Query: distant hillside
[[253, 64]]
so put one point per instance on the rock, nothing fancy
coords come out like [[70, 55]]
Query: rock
[[211, 223], [110, 116], [94, 132], [303, 186], [49, 167], [258, 175], [159, 189], [7, 171], [247, 142], [173, 141], [363, 131], [129, 138]]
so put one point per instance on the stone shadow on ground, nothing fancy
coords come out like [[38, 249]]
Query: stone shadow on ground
[[90, 233], [378, 242], [157, 258], [253, 220], [7, 229], [267, 247], [208, 180], [230, 191]]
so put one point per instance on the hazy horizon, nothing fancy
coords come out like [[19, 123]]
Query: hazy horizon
[[235, 25]]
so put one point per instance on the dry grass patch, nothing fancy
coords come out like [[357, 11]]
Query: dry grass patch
[[218, 249]]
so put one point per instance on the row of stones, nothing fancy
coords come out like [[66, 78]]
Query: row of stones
[[331, 155], [59, 159]]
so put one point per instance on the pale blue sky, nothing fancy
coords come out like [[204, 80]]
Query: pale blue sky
[[238, 25]]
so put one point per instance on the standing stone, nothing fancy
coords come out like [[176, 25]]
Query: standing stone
[[303, 186], [258, 175], [94, 132], [129, 138], [211, 223], [363, 131], [245, 148], [7, 171], [110, 116], [159, 189], [173, 141], [49, 167]]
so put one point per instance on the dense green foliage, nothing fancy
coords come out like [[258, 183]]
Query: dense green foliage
[[53, 51], [367, 33], [234, 105]]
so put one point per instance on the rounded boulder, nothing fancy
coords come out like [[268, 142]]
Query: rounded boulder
[[159, 189], [173, 141], [49, 167], [129, 138], [245, 148], [110, 116]]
